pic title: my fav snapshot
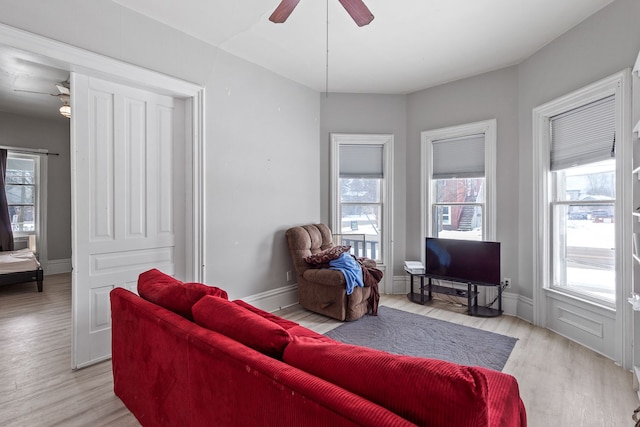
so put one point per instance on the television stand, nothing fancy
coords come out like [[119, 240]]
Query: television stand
[[471, 294]]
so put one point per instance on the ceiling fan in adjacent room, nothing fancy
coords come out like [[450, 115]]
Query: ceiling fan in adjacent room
[[356, 8], [63, 93]]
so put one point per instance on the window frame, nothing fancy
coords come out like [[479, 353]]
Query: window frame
[[40, 199], [555, 204], [618, 85], [386, 141], [486, 127]]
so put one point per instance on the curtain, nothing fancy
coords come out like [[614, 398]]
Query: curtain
[[6, 233]]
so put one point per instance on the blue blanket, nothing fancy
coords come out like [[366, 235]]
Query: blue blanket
[[351, 270]]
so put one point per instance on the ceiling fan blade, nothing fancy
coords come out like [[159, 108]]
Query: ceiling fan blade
[[283, 11], [63, 89], [33, 91], [358, 11]]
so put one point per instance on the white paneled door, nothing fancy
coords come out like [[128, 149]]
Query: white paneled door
[[127, 180]]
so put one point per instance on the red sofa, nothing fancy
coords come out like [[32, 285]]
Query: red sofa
[[183, 355]]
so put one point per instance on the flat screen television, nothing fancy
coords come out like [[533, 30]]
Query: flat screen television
[[467, 261]]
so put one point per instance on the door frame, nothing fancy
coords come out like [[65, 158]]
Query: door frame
[[67, 57]]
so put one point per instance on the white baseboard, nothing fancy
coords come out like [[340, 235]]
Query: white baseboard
[[57, 266], [525, 308], [274, 299], [400, 285]]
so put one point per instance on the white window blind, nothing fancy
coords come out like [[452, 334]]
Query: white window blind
[[583, 135], [459, 157], [361, 161]]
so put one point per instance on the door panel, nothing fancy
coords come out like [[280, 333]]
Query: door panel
[[124, 191]]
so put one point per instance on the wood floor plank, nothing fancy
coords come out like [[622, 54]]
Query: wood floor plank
[[561, 382]]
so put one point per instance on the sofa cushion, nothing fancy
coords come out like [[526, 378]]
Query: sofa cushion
[[294, 329], [242, 325], [327, 255], [285, 323], [424, 391], [170, 293]]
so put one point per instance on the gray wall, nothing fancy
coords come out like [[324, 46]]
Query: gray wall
[[359, 113], [111, 30], [263, 174], [262, 153], [487, 96], [267, 138], [602, 45], [29, 132]]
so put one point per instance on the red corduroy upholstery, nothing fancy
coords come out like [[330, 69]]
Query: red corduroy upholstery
[[424, 391], [168, 292], [241, 325], [169, 371]]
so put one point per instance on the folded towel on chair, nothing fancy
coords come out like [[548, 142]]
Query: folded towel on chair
[[351, 270]]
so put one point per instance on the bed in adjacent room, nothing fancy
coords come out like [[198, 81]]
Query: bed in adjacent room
[[20, 266]]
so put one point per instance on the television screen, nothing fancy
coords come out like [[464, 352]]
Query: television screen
[[467, 261]]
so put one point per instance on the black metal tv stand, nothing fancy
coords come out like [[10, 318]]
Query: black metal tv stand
[[473, 309]]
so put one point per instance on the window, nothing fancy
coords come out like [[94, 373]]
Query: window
[[22, 186], [582, 221], [361, 189], [583, 200], [445, 214], [458, 176]]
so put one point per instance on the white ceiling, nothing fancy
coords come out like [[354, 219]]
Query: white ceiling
[[410, 45]]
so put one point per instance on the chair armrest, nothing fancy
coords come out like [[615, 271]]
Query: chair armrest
[[325, 276]]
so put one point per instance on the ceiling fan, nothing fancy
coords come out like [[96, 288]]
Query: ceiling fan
[[356, 8], [63, 93]]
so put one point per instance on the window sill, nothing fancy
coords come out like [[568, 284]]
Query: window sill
[[580, 300]]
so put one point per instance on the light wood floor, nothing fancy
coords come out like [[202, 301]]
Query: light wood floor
[[561, 383]]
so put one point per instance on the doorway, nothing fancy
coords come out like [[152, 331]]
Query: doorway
[[189, 241]]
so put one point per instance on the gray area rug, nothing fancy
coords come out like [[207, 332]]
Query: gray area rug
[[401, 332]]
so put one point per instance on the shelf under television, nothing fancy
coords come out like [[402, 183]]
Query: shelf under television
[[473, 309], [445, 290]]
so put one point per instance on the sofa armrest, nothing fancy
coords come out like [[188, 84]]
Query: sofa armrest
[[325, 276]]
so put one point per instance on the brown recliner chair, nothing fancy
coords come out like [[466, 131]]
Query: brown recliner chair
[[322, 290]]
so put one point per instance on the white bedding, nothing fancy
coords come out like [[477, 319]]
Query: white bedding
[[16, 261]]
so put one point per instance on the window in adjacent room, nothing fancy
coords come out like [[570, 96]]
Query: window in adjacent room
[[22, 185], [458, 177]]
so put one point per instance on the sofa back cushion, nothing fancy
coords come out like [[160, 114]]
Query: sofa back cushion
[[242, 325], [170, 293], [424, 391]]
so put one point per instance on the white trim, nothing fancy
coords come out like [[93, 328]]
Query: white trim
[[619, 85], [57, 266], [43, 171], [387, 141], [65, 56], [489, 129], [196, 233], [274, 299]]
